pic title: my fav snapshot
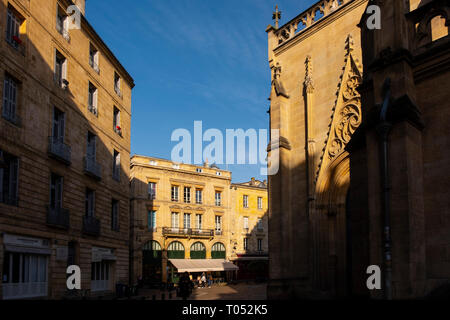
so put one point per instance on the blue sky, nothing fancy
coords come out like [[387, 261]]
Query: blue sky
[[192, 60]]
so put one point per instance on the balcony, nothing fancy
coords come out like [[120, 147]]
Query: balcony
[[93, 109], [8, 199], [91, 226], [92, 167], [59, 150], [116, 174], [13, 118], [58, 217], [188, 232]]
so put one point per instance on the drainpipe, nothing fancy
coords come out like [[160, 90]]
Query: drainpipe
[[383, 128]]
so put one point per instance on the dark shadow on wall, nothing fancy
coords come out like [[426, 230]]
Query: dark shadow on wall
[[49, 136]]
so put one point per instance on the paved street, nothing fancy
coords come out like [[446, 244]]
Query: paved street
[[240, 291]]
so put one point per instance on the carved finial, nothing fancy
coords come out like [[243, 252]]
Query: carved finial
[[276, 16], [349, 44], [276, 71], [309, 85]]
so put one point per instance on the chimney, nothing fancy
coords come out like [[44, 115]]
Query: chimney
[[253, 181], [81, 4]]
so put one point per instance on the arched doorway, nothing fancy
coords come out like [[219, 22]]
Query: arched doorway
[[218, 251], [175, 250], [198, 251], [151, 261]]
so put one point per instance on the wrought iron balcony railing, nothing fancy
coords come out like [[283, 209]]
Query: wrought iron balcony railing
[[91, 226], [58, 217], [188, 232], [92, 167], [13, 118], [59, 150]]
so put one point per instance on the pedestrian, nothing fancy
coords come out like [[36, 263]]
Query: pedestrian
[[185, 285], [210, 281], [199, 281], [203, 280]]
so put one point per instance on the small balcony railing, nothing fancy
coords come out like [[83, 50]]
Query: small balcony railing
[[93, 109], [59, 150], [91, 226], [188, 232], [58, 217], [13, 118], [16, 43], [116, 174], [9, 199], [92, 167]]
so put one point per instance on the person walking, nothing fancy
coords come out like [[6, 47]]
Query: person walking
[[185, 286], [210, 281], [199, 281], [203, 280]]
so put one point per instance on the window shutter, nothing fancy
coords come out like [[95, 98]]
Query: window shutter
[[64, 70], [6, 97], [62, 126], [94, 103], [13, 99]]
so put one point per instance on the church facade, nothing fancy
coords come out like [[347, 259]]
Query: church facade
[[362, 113]]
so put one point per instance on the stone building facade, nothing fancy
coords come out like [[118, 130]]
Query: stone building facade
[[64, 153], [363, 117], [178, 211], [250, 229]]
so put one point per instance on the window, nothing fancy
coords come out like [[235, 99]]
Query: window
[[187, 221], [175, 220], [245, 201], [187, 194], [198, 196], [219, 223], [260, 245], [116, 166], [24, 275], [246, 223], [93, 58], [91, 146], [58, 125], [62, 23], [152, 190], [116, 121], [9, 171], [117, 84], [175, 193], [245, 244], [90, 203], [61, 70], [218, 173], [92, 99], [260, 224], [260, 204], [13, 23], [56, 191], [115, 215], [151, 220], [199, 170], [198, 221], [218, 198], [9, 110]]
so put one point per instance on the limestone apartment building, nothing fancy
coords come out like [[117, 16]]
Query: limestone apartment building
[[250, 229], [178, 211], [64, 153]]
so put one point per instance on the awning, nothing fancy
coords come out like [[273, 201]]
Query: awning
[[24, 249], [203, 265]]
